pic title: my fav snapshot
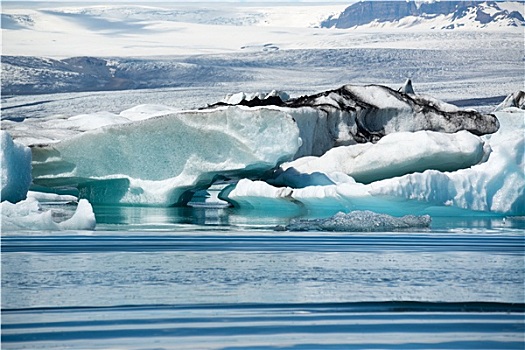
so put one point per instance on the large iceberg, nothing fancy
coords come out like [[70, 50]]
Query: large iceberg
[[496, 184], [164, 160], [16, 168], [158, 156]]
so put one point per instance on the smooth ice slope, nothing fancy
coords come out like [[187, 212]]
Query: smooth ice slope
[[28, 215], [496, 186], [396, 154], [16, 169], [159, 160]]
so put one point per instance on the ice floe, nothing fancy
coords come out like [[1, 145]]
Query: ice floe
[[360, 221], [29, 215]]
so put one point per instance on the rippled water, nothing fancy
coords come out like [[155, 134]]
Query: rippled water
[[207, 279]]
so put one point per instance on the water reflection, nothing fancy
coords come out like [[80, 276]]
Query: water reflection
[[159, 218], [474, 223]]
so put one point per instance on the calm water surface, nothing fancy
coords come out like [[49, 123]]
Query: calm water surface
[[152, 278]]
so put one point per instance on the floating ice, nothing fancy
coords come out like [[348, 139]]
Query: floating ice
[[16, 169], [396, 154], [28, 215], [163, 160], [163, 157], [496, 185], [360, 221]]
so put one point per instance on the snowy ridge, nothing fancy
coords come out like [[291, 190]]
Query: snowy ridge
[[140, 16], [356, 114], [138, 31], [441, 15]]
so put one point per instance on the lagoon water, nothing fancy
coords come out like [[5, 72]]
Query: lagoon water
[[202, 278]]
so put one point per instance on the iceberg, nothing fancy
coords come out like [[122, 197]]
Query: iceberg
[[495, 185], [16, 169], [163, 160], [28, 215], [360, 221], [154, 155]]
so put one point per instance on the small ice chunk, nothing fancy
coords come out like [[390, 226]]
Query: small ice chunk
[[28, 215], [360, 221]]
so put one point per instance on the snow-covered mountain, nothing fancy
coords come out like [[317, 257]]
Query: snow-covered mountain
[[431, 15]]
